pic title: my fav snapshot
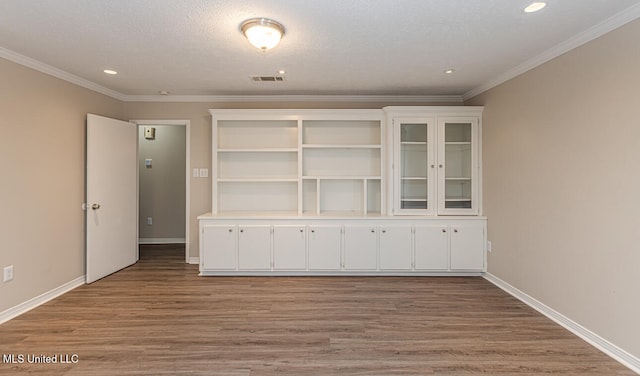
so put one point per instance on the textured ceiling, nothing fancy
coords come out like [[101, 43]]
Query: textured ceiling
[[331, 47]]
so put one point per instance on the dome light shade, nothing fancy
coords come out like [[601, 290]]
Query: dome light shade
[[263, 33], [535, 6]]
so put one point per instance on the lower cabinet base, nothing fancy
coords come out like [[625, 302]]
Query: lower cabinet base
[[346, 273], [320, 246]]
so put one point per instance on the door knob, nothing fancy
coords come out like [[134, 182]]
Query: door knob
[[95, 206]]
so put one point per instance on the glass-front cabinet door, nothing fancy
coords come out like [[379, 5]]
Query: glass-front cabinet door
[[414, 166], [457, 165]]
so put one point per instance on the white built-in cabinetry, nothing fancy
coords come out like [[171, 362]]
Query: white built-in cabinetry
[[377, 245], [436, 160], [303, 162], [305, 192]]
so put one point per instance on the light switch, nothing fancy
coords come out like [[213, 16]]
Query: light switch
[[147, 163], [196, 173], [204, 172]]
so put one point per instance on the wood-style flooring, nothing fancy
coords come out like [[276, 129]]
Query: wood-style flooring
[[159, 318]]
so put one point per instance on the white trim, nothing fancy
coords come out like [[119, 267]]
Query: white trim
[[592, 338], [58, 73], [297, 98], [194, 260], [161, 240], [30, 304], [576, 41], [65, 76], [187, 208]]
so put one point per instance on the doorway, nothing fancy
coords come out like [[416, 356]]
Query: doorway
[[163, 182]]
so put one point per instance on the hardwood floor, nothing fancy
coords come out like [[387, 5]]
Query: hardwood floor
[[159, 318]]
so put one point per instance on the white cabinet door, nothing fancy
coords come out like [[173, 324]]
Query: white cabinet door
[[395, 247], [289, 252], [458, 165], [467, 247], [414, 165], [360, 247], [254, 247], [431, 247], [324, 247], [219, 247]]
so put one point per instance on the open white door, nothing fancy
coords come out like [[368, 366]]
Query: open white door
[[112, 206]]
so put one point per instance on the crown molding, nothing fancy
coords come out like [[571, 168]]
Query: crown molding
[[58, 73], [588, 35], [596, 31], [297, 98], [65, 76]]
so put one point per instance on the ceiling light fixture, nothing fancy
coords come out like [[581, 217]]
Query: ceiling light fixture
[[109, 71], [263, 33], [449, 71], [535, 6]]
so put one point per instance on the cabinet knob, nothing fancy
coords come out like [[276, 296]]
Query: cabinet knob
[[241, 230], [440, 165], [301, 230], [455, 230], [230, 230], [433, 166], [384, 231], [444, 230], [372, 230]]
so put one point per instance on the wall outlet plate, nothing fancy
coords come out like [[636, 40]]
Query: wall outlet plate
[[149, 133]]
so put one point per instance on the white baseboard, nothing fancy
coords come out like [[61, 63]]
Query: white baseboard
[[161, 240], [595, 340], [194, 260], [30, 304]]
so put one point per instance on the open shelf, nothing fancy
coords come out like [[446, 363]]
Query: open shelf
[[341, 132], [252, 134], [254, 196], [257, 165], [341, 162], [312, 162]]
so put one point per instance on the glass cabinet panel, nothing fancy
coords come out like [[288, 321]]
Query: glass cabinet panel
[[435, 165], [413, 165], [458, 162]]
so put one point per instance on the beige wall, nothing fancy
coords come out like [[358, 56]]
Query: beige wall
[[42, 138], [162, 186], [561, 148]]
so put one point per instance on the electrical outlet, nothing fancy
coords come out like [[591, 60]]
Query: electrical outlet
[[8, 273], [489, 245], [149, 221]]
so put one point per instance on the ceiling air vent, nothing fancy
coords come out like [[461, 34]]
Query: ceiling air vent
[[267, 78]]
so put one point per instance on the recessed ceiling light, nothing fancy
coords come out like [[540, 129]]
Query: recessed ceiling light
[[282, 71], [449, 71], [163, 92], [535, 6], [109, 71]]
